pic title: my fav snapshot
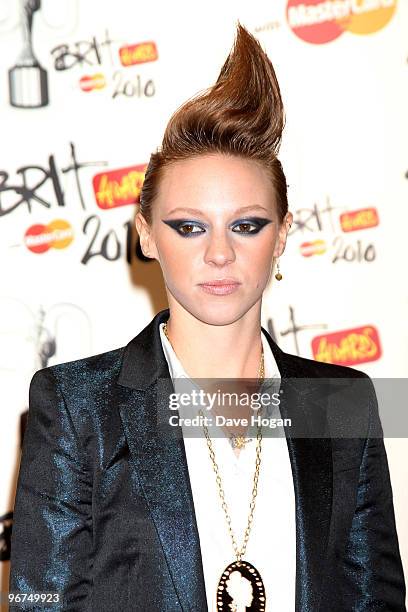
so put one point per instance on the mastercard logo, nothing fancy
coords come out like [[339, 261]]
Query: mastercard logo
[[315, 247], [321, 21], [348, 347], [89, 83], [56, 235]]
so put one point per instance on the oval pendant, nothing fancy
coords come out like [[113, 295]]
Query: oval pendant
[[241, 589]]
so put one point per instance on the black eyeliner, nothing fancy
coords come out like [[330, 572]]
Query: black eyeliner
[[261, 221], [257, 222], [175, 223]]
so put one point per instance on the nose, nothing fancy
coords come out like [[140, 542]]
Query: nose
[[219, 250]]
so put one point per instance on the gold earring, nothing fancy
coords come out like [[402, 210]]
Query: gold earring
[[278, 275]]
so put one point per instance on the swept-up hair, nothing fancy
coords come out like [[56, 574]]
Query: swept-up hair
[[241, 115]]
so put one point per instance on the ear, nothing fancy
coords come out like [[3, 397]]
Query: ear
[[283, 234], [147, 243]]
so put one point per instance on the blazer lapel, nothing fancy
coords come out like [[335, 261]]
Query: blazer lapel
[[305, 403], [158, 456]]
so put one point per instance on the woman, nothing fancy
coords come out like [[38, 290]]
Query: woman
[[115, 510]]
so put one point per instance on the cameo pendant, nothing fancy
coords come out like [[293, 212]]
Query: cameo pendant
[[241, 589]]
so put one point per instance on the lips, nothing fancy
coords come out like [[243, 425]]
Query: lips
[[220, 286], [221, 282]]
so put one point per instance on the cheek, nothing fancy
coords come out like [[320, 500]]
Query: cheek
[[176, 258], [260, 252], [259, 261]]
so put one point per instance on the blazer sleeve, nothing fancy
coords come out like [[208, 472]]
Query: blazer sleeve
[[51, 541], [372, 562]]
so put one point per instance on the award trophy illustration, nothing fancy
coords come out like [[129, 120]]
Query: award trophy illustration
[[28, 83]]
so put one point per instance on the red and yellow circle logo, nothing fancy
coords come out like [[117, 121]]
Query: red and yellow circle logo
[[321, 21], [40, 238]]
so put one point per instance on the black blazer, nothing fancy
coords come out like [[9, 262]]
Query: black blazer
[[104, 512]]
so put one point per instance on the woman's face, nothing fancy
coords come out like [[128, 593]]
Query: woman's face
[[215, 218]]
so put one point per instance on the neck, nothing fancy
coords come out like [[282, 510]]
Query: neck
[[216, 351]]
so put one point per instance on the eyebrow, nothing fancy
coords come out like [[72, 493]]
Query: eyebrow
[[195, 211]]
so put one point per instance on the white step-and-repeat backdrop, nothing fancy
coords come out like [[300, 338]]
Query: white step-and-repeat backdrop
[[86, 89]]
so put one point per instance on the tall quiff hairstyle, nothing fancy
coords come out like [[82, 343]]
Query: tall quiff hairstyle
[[241, 115]]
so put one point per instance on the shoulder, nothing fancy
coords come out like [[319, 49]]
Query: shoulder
[[319, 369], [90, 371], [349, 386], [78, 396], [349, 395]]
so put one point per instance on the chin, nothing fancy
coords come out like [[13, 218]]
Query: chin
[[219, 311]]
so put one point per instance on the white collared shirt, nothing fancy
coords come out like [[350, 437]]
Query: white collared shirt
[[271, 547]]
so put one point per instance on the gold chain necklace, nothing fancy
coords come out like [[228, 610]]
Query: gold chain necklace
[[240, 585]]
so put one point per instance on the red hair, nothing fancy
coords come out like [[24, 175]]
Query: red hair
[[241, 115]]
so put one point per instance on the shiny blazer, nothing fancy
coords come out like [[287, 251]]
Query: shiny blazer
[[104, 513]]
